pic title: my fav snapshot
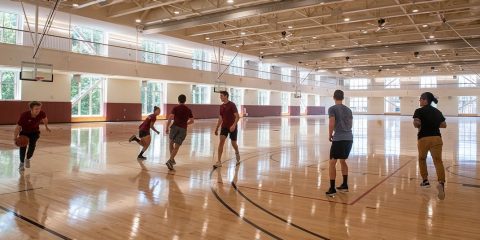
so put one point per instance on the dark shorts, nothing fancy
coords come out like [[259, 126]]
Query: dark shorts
[[226, 132], [177, 134], [340, 149], [142, 134]]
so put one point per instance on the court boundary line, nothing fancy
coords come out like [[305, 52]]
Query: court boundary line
[[24, 190], [28, 220]]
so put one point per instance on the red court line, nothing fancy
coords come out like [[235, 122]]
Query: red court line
[[378, 184]]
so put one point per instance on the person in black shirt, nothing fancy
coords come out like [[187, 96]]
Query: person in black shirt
[[429, 120]]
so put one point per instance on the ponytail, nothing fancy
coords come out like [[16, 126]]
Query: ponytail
[[429, 97]]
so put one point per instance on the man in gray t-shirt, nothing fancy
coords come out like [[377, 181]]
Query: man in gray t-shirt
[[341, 136]]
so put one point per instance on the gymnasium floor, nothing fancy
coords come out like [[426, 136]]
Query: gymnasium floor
[[85, 183]]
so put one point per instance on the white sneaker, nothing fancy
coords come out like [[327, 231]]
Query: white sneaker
[[27, 163], [217, 165], [21, 168], [441, 191]]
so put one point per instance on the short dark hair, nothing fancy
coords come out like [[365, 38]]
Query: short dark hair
[[33, 104], [224, 93], [182, 98], [338, 95], [155, 108]]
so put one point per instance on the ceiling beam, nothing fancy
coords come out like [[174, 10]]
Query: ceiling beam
[[285, 5], [147, 6]]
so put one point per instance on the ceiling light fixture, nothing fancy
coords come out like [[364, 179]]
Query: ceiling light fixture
[[424, 25], [415, 10], [243, 33], [346, 19], [314, 37], [176, 12], [431, 36], [229, 1], [290, 27], [261, 52], [138, 20], [207, 38], [75, 5], [333, 45]]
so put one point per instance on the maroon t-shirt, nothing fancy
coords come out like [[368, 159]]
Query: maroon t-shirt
[[31, 124], [182, 114], [145, 126], [227, 111]]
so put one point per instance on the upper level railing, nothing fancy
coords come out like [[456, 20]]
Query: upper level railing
[[413, 86], [69, 44]]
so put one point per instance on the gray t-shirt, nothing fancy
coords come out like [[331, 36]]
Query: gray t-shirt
[[343, 122]]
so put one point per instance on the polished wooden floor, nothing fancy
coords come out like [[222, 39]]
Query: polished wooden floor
[[85, 183]]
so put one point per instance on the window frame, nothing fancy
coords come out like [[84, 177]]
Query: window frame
[[99, 84]]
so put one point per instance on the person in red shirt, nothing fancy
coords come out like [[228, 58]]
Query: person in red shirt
[[228, 119], [144, 132], [29, 125], [182, 117]]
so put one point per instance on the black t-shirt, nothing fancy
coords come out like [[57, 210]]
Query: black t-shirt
[[431, 119]]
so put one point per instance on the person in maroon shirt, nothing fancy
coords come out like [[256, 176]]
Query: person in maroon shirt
[[228, 119], [29, 125], [144, 132], [182, 117]]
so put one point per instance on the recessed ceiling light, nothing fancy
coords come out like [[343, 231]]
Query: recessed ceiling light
[[270, 42], [333, 45], [290, 27], [75, 5], [293, 49], [229, 1], [261, 52], [176, 12], [237, 46], [138, 20], [443, 55], [395, 52], [379, 41], [424, 25], [431, 36], [207, 38], [346, 19], [314, 37], [415, 10], [243, 33], [387, 46]]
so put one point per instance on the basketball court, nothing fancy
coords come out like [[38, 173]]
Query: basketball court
[[101, 68]]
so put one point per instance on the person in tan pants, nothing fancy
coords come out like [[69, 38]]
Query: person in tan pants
[[429, 120]]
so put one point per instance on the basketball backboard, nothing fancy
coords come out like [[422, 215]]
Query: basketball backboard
[[36, 72]]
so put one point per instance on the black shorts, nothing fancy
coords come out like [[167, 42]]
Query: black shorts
[[226, 132], [340, 149], [142, 134]]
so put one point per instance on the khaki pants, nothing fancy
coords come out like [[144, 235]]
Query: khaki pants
[[433, 145]]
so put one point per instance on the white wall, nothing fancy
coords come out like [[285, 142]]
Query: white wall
[[408, 105], [376, 105], [56, 91], [175, 89], [123, 91], [275, 98], [250, 97]]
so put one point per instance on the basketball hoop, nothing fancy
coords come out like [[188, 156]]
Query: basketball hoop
[[39, 79]]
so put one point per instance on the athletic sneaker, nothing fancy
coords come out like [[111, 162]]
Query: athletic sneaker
[[173, 161], [169, 165], [141, 158], [27, 163], [425, 184], [217, 165], [132, 138], [343, 188], [21, 168], [441, 191], [331, 192]]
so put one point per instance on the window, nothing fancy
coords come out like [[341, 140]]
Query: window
[[392, 82], [152, 95], [236, 67], [264, 70], [303, 103], [88, 41], [8, 20], [358, 104], [392, 104], [467, 141], [317, 100], [392, 136], [201, 94], [467, 104], [236, 96], [467, 81], [154, 52], [428, 82], [286, 74], [87, 96], [304, 77], [360, 135], [285, 102], [358, 83], [263, 97], [201, 60], [9, 85]]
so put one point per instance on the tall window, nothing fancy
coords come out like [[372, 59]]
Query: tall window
[[467, 104], [88, 41], [304, 77], [9, 85], [392, 104], [303, 104], [358, 83], [201, 60], [392, 136], [285, 102], [201, 94], [468, 80], [263, 97], [428, 82], [317, 100], [87, 96], [236, 96], [236, 68], [392, 83], [360, 136], [359, 104], [286, 74], [264, 70], [467, 141], [8, 20], [152, 95], [154, 52]]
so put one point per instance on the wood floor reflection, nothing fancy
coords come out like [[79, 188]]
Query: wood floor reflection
[[85, 183]]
